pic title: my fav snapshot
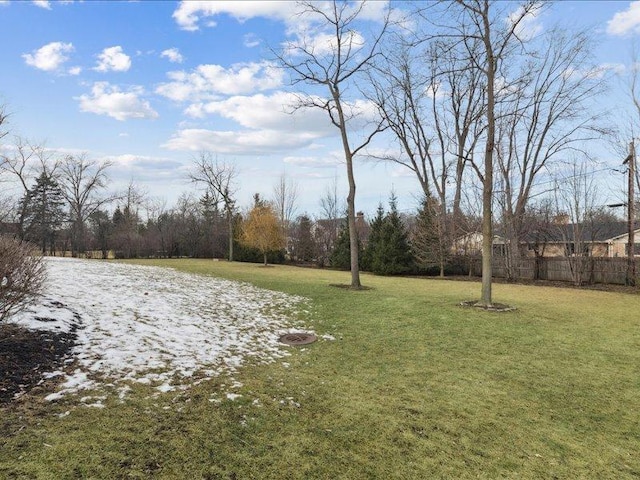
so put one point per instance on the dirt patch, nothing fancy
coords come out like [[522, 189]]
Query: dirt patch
[[494, 307], [25, 355], [349, 287]]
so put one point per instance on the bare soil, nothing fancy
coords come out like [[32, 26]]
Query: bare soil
[[25, 355]]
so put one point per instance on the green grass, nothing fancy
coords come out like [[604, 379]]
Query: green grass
[[413, 387]]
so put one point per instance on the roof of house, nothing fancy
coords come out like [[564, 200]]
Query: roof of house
[[594, 232]]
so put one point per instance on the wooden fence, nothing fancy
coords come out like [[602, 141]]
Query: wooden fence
[[588, 270]]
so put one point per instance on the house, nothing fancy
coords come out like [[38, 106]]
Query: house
[[599, 239], [332, 227]]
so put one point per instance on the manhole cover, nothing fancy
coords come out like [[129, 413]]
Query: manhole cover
[[297, 338]]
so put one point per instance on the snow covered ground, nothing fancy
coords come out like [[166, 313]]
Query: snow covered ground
[[155, 325]]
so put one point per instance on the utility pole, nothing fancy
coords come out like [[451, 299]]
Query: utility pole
[[631, 261]]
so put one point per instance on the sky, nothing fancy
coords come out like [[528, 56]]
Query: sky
[[148, 85]]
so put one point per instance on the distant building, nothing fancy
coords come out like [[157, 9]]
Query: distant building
[[599, 239]]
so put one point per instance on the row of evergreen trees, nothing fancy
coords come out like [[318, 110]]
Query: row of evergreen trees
[[388, 249]]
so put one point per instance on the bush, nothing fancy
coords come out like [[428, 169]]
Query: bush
[[22, 275]]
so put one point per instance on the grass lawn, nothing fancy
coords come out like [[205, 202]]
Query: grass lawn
[[413, 387]]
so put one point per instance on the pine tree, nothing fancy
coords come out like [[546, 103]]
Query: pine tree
[[373, 243], [304, 246], [392, 255], [102, 229], [425, 238], [341, 255], [44, 207]]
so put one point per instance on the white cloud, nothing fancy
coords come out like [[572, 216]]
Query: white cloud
[[324, 43], [106, 99], [42, 4], [189, 13], [436, 90], [260, 111], [251, 40], [625, 22], [206, 82], [50, 57], [4, 3], [75, 70], [144, 168], [314, 162], [596, 72], [259, 142], [270, 125], [113, 59], [173, 55]]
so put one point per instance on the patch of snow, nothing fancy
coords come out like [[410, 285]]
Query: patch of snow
[[155, 325], [48, 314]]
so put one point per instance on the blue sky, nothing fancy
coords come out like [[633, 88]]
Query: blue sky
[[149, 84]]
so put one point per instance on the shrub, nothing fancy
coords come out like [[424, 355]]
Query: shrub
[[22, 274]]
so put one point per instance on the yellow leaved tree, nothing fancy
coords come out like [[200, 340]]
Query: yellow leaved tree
[[262, 229]]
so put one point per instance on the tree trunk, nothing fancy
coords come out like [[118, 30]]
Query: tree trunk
[[230, 221], [351, 197], [487, 184], [353, 232]]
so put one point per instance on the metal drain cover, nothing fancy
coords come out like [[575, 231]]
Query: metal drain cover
[[297, 338]]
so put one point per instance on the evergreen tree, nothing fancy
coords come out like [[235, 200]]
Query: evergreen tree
[[44, 207], [373, 243], [102, 229], [425, 238], [341, 255], [392, 254], [304, 246], [210, 216]]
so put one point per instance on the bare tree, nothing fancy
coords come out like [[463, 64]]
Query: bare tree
[[434, 110], [3, 121], [483, 22], [218, 177], [22, 274], [576, 198], [81, 181], [127, 220], [335, 66], [285, 196], [4, 200], [546, 117], [328, 224]]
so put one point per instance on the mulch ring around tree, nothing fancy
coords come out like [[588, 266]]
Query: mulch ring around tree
[[346, 286], [25, 355], [494, 307]]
